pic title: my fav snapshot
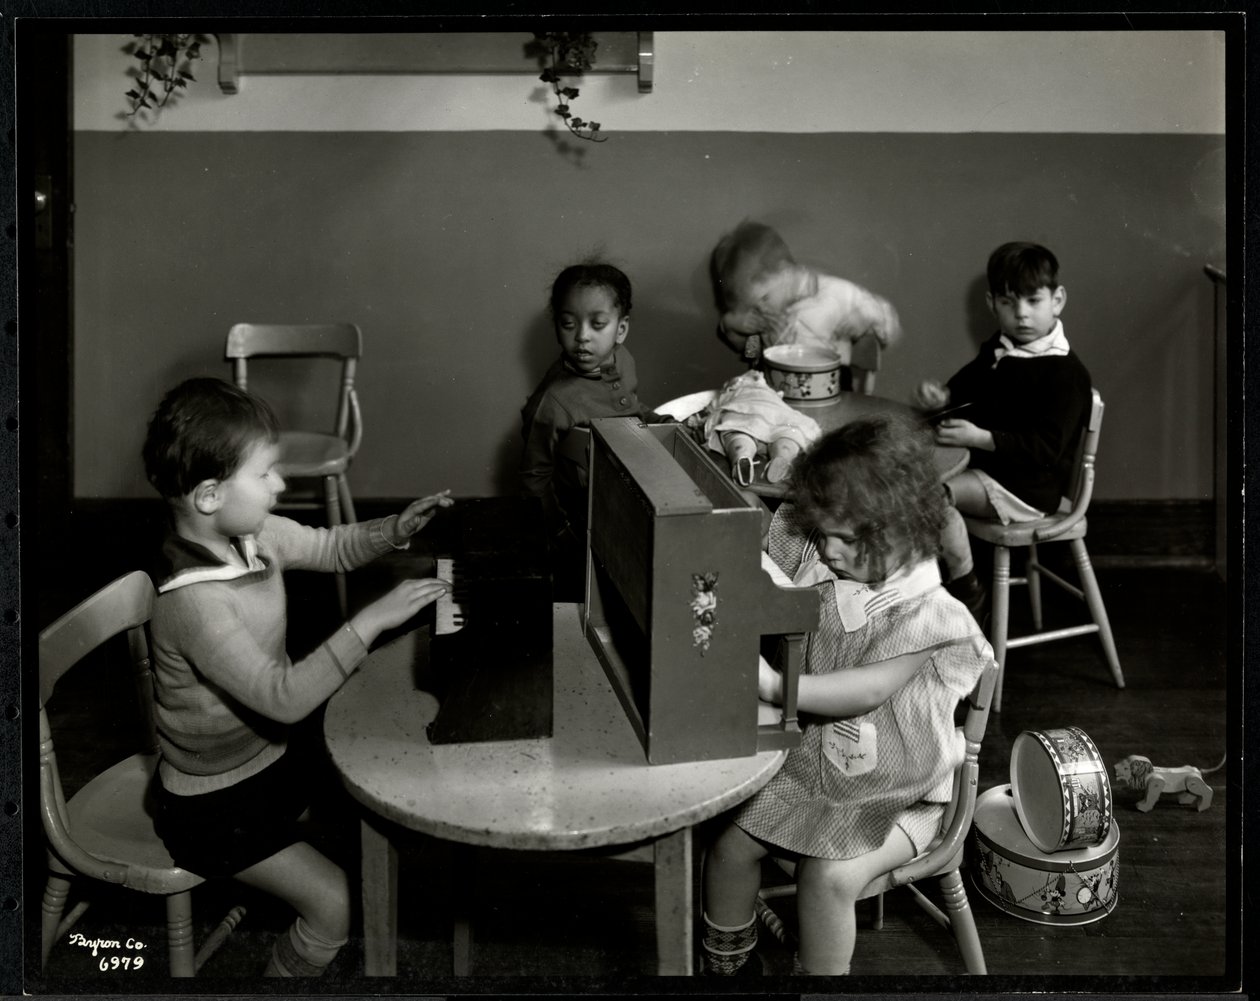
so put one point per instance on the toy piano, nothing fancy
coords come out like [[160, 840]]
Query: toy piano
[[678, 606]]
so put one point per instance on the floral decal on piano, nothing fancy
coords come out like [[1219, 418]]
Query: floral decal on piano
[[703, 609]]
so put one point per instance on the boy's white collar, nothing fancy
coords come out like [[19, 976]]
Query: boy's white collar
[[221, 571], [1048, 346]]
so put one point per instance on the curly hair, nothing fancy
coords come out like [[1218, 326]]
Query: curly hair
[[594, 274], [877, 474], [203, 430]]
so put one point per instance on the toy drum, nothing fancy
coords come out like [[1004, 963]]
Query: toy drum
[[1061, 788], [1074, 887]]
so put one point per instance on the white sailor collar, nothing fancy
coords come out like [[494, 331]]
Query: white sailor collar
[[192, 563], [856, 602]]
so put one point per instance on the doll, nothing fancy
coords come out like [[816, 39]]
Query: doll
[[747, 419]]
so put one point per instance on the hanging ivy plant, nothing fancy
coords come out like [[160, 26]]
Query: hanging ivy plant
[[165, 68], [567, 54]]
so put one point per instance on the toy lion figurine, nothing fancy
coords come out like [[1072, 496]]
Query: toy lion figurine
[[1138, 774]]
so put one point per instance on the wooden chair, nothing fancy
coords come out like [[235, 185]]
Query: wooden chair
[[943, 857], [1068, 524], [864, 364], [104, 831], [311, 454]]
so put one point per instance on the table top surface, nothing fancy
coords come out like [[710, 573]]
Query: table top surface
[[847, 407], [587, 786]]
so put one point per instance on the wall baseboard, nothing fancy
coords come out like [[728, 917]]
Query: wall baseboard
[[123, 533]]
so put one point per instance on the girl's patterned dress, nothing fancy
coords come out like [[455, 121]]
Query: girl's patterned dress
[[850, 781]]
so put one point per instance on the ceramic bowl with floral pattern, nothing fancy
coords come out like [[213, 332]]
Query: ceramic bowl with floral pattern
[[802, 373]]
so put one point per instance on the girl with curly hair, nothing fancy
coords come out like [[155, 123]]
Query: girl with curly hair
[[893, 654]]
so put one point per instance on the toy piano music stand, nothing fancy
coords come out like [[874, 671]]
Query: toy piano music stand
[[678, 607]]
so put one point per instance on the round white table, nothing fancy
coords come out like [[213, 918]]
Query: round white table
[[830, 414], [588, 786]]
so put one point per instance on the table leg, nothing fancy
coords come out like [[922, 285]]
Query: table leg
[[461, 945], [380, 901], [674, 906]]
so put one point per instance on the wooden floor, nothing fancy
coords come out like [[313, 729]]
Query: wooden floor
[[556, 923]]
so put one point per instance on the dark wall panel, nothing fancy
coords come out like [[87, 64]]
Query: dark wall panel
[[442, 247]]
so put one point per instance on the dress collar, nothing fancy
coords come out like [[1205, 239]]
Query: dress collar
[[608, 371], [857, 602]]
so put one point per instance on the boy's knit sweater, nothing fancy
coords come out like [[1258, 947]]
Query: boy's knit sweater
[[1035, 409], [226, 691]]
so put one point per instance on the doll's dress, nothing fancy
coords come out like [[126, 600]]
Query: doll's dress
[[851, 780], [747, 404]]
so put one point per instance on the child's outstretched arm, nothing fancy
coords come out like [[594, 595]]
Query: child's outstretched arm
[[419, 513], [851, 692]]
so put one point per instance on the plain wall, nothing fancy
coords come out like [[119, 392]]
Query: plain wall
[[898, 160]]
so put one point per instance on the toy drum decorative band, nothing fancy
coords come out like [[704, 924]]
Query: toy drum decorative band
[[803, 374], [1061, 787], [1074, 887]]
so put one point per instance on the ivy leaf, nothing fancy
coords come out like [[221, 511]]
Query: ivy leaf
[[562, 110], [595, 126]]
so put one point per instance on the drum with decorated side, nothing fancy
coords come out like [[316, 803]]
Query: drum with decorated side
[[1073, 887], [1061, 787]]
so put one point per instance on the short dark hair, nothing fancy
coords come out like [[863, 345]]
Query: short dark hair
[[748, 252], [203, 430], [595, 274], [1022, 268], [877, 474]]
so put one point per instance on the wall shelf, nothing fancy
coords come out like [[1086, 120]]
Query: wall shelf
[[244, 54]]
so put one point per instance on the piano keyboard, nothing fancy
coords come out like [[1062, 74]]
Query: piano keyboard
[[450, 607]]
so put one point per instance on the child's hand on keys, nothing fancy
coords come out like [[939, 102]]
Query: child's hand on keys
[[420, 512], [931, 395], [397, 607], [769, 682]]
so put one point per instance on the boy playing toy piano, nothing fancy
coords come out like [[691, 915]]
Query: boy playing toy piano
[[228, 789]]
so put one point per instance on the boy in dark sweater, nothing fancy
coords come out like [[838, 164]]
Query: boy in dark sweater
[[1027, 396]]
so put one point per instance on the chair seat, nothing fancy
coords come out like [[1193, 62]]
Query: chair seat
[[309, 453], [109, 819], [1022, 533]]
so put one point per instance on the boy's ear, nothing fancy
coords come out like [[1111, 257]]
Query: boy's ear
[[623, 328], [1058, 299], [988, 298], [207, 497]]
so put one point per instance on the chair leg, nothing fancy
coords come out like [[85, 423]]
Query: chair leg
[[963, 922], [1033, 577], [332, 505], [1001, 616], [879, 911], [55, 893], [1093, 598], [179, 934], [347, 501]]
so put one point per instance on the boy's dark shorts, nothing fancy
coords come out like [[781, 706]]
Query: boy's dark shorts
[[219, 833]]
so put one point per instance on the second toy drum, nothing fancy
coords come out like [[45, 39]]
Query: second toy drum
[[1061, 789], [1073, 887]]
